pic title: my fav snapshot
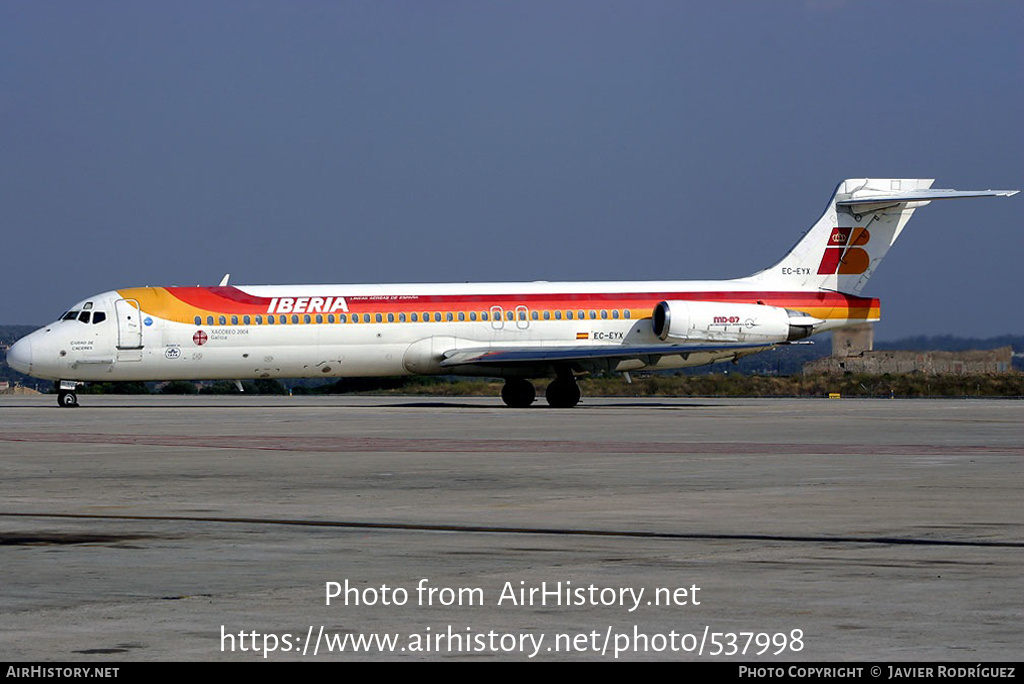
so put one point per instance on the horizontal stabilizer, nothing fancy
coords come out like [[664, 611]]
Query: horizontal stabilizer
[[875, 200]]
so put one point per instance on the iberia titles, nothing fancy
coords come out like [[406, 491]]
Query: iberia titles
[[307, 305]]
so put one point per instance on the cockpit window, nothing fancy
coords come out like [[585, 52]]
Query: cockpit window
[[98, 317], [85, 316], [69, 316]]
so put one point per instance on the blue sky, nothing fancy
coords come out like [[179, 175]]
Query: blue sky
[[154, 143]]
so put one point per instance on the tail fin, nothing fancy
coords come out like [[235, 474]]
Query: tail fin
[[860, 223]]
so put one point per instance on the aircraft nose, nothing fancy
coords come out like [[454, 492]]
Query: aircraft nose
[[19, 356]]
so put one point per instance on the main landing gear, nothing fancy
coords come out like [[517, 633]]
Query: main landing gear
[[518, 393], [563, 392]]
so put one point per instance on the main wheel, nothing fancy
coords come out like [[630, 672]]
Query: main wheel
[[563, 393], [518, 393], [67, 399]]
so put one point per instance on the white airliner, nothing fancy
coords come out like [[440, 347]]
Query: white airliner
[[516, 331]]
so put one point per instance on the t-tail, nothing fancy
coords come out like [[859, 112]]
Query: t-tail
[[859, 225]]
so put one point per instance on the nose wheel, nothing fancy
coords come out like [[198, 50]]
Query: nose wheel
[[67, 399]]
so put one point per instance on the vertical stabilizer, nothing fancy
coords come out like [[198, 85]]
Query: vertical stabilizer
[[845, 246], [860, 223]]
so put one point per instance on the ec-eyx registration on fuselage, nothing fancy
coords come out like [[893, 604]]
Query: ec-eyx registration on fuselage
[[517, 331]]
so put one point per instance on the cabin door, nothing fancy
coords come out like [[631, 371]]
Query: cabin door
[[129, 324]]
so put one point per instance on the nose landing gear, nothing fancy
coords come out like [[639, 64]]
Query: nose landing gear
[[66, 395], [67, 399]]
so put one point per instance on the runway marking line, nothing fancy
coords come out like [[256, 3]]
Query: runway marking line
[[433, 445], [490, 529]]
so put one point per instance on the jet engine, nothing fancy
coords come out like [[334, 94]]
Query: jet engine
[[729, 322]]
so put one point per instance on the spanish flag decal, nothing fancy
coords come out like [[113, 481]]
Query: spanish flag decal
[[582, 336]]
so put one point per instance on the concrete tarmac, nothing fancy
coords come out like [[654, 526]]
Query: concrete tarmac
[[200, 528]]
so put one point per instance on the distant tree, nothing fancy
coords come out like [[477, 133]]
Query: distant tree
[[114, 388], [179, 387], [269, 386]]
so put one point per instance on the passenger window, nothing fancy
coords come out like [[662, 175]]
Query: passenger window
[[472, 315], [615, 314], [391, 318], [462, 315], [568, 315], [199, 320], [401, 318], [483, 316], [366, 318], [558, 315], [342, 318], [547, 315], [209, 320], [604, 313], [330, 318], [625, 314], [234, 320], [222, 320], [415, 318], [448, 317], [270, 320], [437, 316], [377, 317], [259, 320], [295, 318], [319, 318], [593, 314]]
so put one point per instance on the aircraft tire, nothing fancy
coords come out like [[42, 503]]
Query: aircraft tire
[[67, 399], [518, 393], [563, 393]]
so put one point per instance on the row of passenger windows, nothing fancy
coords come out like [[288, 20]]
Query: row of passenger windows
[[415, 317]]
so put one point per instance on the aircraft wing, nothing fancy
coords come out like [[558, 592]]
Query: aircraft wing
[[585, 355]]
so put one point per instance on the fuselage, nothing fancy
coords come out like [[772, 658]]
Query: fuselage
[[306, 331], [512, 330]]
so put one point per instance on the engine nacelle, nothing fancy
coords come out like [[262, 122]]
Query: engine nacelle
[[729, 322], [424, 356]]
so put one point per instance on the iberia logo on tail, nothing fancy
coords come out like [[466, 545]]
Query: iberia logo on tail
[[843, 254]]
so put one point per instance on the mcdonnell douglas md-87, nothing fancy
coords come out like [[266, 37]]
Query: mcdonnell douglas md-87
[[516, 331]]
